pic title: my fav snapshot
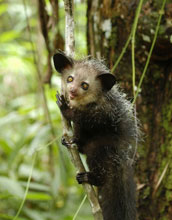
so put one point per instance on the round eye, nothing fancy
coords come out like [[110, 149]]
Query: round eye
[[84, 85], [69, 79]]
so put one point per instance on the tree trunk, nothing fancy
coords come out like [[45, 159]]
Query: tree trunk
[[108, 28]]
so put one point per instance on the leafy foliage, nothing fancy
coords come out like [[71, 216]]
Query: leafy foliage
[[53, 192]]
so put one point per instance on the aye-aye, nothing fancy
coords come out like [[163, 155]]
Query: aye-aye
[[105, 130]]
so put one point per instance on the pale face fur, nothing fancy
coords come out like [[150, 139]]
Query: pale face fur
[[81, 74]]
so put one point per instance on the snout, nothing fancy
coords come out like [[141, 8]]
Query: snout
[[73, 93]]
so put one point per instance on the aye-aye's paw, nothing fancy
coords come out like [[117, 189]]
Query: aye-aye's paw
[[83, 177], [67, 141], [61, 102]]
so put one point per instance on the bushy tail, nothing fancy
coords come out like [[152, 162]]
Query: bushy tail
[[117, 196]]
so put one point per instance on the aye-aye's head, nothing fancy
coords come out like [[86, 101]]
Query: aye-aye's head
[[83, 81]]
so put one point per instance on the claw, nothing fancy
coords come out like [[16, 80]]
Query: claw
[[61, 102], [67, 141], [82, 177], [57, 95]]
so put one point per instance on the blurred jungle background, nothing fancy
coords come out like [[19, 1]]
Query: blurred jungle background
[[30, 32]]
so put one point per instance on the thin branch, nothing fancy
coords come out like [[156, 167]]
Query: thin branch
[[43, 19], [132, 39], [133, 44], [69, 28], [79, 207], [67, 129], [30, 176], [27, 188], [151, 49], [133, 67], [122, 53], [160, 179]]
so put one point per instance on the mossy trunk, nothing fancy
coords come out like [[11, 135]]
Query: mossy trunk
[[109, 25]]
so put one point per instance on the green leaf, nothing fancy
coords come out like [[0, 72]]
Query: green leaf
[[4, 195], [4, 216], [36, 186], [11, 186], [3, 8], [5, 146], [8, 36], [39, 140], [38, 196], [12, 117], [34, 215]]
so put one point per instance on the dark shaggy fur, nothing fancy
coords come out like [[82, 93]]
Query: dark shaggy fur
[[105, 131]]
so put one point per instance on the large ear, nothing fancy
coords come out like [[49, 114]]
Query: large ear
[[62, 62], [108, 80]]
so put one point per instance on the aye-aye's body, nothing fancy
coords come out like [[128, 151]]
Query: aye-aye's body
[[104, 130]]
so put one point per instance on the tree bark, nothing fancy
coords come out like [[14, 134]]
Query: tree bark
[[50, 24], [67, 127], [108, 28]]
